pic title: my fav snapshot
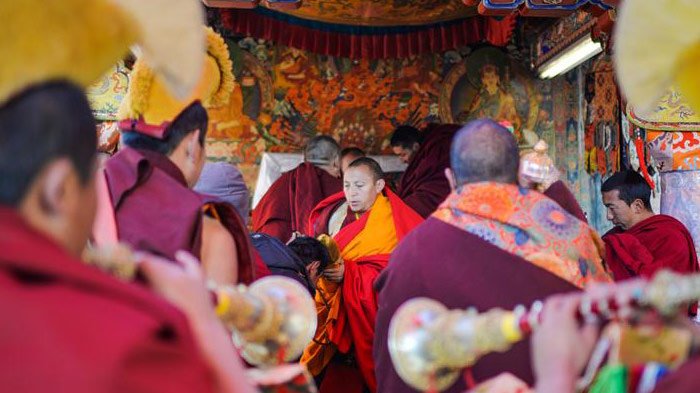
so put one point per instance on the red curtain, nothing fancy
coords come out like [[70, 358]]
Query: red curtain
[[435, 38]]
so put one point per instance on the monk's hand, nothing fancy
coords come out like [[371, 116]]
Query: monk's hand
[[312, 271], [335, 273], [182, 283], [560, 346], [622, 292]]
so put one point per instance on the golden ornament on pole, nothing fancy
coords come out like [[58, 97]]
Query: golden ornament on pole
[[272, 320], [430, 345]]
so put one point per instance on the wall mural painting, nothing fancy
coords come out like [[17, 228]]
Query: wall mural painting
[[285, 96], [489, 84]]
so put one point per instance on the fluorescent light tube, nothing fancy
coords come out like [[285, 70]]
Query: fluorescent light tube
[[574, 55]]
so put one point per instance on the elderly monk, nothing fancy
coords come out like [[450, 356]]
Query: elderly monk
[[348, 155], [642, 242], [423, 186], [150, 180], [490, 244], [73, 327], [367, 221], [285, 207]]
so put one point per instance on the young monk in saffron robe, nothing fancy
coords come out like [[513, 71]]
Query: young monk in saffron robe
[[366, 221]]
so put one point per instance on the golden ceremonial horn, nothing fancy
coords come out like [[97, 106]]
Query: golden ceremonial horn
[[272, 320], [430, 345]]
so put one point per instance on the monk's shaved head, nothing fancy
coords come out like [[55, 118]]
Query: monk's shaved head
[[374, 168], [482, 151], [322, 150]]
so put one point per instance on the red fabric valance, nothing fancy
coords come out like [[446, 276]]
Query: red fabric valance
[[436, 38]]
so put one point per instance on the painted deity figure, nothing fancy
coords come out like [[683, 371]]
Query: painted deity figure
[[492, 100]]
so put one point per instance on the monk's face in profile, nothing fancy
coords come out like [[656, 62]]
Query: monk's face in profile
[[405, 154], [620, 213], [361, 188]]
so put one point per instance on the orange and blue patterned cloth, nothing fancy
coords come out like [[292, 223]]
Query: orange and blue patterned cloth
[[530, 225]]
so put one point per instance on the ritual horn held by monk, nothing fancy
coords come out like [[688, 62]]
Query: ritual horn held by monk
[[272, 320], [430, 345]]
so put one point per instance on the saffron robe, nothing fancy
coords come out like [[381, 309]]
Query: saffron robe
[[155, 211], [424, 186], [656, 243], [528, 224], [460, 270], [347, 311], [73, 328], [286, 206]]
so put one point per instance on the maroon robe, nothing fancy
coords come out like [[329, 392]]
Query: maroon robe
[[156, 211], [286, 206], [71, 328], [683, 380], [424, 186], [656, 243], [471, 273], [559, 192]]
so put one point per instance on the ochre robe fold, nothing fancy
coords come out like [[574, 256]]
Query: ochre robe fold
[[73, 328]]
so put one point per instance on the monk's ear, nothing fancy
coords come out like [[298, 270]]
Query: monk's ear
[[380, 184], [55, 186], [451, 179], [415, 146], [193, 144], [638, 206]]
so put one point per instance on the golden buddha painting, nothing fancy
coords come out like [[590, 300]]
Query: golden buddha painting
[[488, 85]]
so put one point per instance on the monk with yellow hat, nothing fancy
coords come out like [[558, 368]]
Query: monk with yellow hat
[[70, 327], [150, 180]]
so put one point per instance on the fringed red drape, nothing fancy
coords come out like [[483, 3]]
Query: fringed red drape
[[373, 43]]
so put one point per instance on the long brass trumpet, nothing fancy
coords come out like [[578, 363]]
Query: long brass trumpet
[[430, 345], [271, 321]]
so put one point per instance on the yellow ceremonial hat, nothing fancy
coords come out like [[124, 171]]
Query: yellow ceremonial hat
[[657, 46], [79, 40], [149, 108]]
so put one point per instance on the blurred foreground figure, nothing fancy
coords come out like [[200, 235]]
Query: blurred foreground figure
[[664, 355], [73, 327]]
